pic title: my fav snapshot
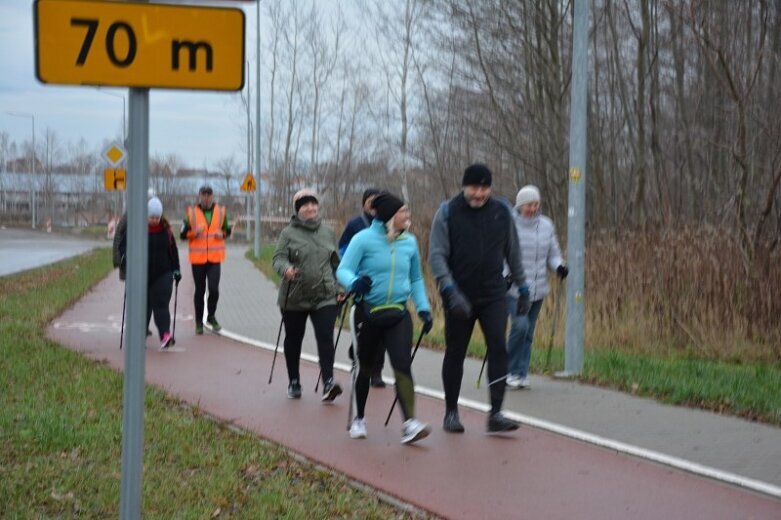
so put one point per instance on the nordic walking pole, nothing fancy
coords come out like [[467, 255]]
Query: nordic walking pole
[[556, 313], [354, 370], [122, 329], [176, 299], [480, 376], [395, 399], [279, 334], [336, 343]]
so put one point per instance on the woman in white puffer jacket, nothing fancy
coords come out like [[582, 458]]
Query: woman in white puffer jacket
[[539, 253]]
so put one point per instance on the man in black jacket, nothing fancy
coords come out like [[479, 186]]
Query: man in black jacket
[[472, 236]]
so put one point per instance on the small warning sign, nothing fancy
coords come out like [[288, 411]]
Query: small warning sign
[[249, 183]]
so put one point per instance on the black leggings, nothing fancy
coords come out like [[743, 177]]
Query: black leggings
[[158, 298], [493, 321], [397, 340], [201, 273], [323, 320]]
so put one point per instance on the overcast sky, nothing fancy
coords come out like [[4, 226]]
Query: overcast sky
[[200, 127]]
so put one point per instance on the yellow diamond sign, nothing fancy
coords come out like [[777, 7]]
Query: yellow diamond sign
[[115, 154]]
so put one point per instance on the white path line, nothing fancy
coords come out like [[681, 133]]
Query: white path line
[[622, 447]]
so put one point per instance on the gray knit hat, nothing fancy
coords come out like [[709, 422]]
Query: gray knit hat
[[526, 195]]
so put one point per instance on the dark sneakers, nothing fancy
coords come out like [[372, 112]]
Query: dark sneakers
[[212, 320], [294, 390], [198, 329], [499, 423], [376, 380], [331, 389], [451, 423]]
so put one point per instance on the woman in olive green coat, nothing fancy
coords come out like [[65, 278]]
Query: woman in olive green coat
[[306, 258]]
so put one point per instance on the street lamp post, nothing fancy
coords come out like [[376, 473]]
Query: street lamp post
[[124, 126], [32, 165], [124, 139]]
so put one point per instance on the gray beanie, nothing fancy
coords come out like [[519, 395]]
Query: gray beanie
[[155, 207], [526, 195]]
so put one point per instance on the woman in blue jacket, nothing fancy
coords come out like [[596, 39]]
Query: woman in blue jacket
[[381, 266]]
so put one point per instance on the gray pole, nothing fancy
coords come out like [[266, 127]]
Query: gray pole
[[35, 180], [137, 254], [123, 194], [249, 146], [257, 142], [576, 223], [120, 195]]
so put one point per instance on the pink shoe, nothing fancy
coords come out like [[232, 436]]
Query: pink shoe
[[166, 341]]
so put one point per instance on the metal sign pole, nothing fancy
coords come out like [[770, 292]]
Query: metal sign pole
[[137, 254], [258, 182], [576, 223]]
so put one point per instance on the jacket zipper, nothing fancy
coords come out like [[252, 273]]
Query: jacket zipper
[[392, 272]]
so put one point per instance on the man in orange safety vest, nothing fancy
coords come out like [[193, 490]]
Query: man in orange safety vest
[[206, 227]]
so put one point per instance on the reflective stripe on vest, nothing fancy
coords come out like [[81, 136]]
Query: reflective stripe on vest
[[208, 246]]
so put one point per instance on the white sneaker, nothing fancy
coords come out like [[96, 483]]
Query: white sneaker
[[358, 429], [524, 383], [414, 430], [513, 382]]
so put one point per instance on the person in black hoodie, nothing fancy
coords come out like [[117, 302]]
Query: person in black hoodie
[[163, 270], [472, 237], [355, 225]]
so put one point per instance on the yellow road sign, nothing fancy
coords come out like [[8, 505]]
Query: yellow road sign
[[114, 154], [249, 183], [114, 179], [86, 42]]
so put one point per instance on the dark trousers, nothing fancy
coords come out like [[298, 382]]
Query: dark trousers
[[323, 320], [398, 342], [158, 299], [493, 321], [202, 273]]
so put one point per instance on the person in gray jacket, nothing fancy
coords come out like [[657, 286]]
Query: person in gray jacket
[[472, 236], [539, 253], [306, 258]]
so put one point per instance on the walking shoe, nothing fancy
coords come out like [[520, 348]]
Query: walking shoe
[[499, 423], [524, 383], [294, 390], [198, 329], [414, 430], [212, 320], [451, 423], [513, 382], [166, 341], [331, 389], [376, 380], [358, 429]]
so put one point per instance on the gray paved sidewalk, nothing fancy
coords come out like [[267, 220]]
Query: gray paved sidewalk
[[248, 307]]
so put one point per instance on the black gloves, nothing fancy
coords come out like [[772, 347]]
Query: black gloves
[[562, 271], [456, 303], [524, 304], [362, 285], [509, 281], [427, 320], [177, 276]]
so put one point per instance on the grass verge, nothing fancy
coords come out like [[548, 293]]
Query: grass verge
[[60, 432], [744, 388]]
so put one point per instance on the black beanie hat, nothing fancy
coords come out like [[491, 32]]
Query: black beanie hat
[[477, 174], [386, 205], [369, 193]]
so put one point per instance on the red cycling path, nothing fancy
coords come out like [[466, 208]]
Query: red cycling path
[[527, 474]]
